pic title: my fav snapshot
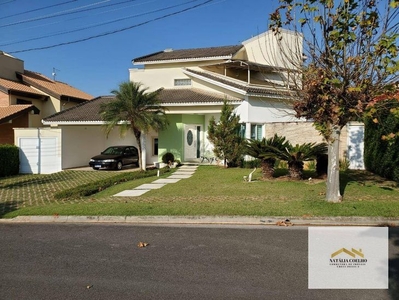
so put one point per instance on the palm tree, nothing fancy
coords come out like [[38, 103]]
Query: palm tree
[[267, 150], [134, 109], [296, 155]]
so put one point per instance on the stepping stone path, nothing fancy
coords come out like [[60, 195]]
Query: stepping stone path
[[185, 171]]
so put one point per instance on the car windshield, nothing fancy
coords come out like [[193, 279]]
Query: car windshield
[[113, 151]]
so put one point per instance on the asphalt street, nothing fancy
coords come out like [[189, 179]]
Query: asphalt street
[[103, 261]]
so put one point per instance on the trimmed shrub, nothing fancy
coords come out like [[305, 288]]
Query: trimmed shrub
[[168, 157], [100, 185], [9, 160]]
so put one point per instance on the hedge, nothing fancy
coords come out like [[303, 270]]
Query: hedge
[[9, 160], [381, 156], [100, 185]]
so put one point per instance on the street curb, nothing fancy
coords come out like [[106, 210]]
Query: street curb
[[217, 220]]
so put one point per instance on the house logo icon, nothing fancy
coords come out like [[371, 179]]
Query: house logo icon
[[352, 253]]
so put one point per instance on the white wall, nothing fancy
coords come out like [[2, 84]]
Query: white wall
[[260, 110], [80, 143], [268, 49]]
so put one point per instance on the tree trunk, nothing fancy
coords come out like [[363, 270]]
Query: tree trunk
[[267, 168], [143, 152], [333, 193], [295, 170], [137, 134]]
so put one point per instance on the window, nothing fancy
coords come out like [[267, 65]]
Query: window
[[21, 101], [181, 82], [256, 132], [155, 146], [241, 132]]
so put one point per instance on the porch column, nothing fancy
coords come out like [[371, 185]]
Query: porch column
[[247, 130]]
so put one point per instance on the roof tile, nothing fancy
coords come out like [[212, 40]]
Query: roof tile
[[12, 111], [190, 53], [54, 88], [17, 86], [89, 111]]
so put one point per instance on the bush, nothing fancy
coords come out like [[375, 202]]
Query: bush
[[168, 157], [381, 156], [100, 185], [9, 160]]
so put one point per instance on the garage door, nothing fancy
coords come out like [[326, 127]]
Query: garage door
[[29, 155], [39, 156], [356, 146]]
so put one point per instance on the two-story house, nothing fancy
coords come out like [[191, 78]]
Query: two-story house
[[27, 97], [256, 77]]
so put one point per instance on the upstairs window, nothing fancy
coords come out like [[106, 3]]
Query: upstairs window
[[22, 101], [182, 82]]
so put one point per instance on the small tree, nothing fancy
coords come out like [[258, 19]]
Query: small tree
[[134, 109], [228, 145], [296, 155], [352, 56]]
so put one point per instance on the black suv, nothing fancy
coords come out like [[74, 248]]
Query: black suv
[[115, 157]]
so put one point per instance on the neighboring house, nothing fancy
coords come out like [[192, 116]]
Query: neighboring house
[[27, 97], [254, 77]]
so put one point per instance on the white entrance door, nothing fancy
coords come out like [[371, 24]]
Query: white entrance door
[[192, 141], [356, 146]]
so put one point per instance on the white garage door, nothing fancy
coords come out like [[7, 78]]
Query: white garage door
[[356, 146], [39, 155], [28, 155]]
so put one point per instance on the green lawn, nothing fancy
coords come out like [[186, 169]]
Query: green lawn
[[210, 191]]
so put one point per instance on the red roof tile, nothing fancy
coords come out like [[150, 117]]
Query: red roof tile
[[53, 88], [9, 85], [10, 112]]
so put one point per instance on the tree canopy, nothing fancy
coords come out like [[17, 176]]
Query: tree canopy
[[135, 109], [351, 57]]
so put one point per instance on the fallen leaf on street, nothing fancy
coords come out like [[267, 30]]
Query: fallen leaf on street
[[142, 244]]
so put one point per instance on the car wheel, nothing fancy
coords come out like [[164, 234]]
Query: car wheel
[[119, 165]]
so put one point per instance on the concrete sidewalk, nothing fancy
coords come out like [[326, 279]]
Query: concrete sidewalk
[[209, 220]]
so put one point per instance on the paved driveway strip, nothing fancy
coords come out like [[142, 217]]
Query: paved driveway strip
[[183, 173]]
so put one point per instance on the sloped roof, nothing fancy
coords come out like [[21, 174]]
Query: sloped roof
[[11, 112], [247, 88], [84, 112], [89, 111], [211, 52], [54, 88], [9, 85]]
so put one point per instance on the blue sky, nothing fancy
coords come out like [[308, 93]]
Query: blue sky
[[98, 65]]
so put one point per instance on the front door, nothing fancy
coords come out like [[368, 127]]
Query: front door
[[192, 141]]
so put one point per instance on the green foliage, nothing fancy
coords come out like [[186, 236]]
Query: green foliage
[[344, 164], [168, 157], [9, 160], [100, 185], [134, 109], [352, 56], [224, 135], [381, 155], [266, 150], [296, 155]]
